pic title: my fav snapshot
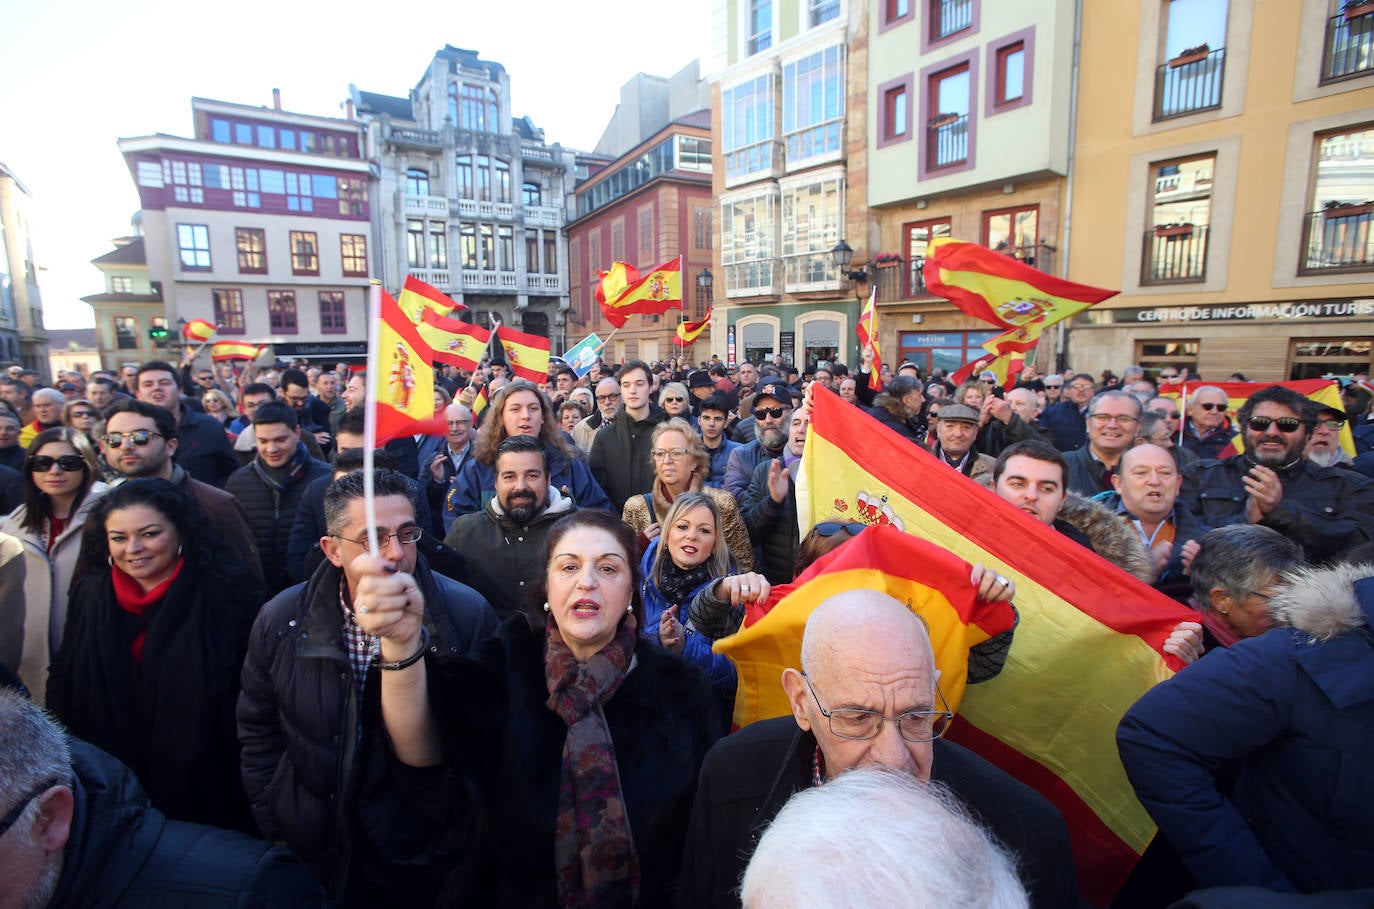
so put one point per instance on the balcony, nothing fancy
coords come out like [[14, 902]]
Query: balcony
[[752, 279], [439, 278], [543, 284], [544, 215], [810, 273], [1349, 50], [536, 153], [1338, 239], [421, 206], [480, 280], [409, 135], [950, 16], [754, 162], [482, 210], [1189, 83], [947, 137], [1175, 254], [904, 279]]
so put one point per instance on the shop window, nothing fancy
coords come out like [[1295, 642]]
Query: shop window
[[1318, 358], [1155, 355], [941, 350]]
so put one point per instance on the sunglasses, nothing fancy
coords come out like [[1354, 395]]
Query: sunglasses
[[1210, 406], [82, 413], [1167, 414], [774, 412], [68, 463], [830, 528], [1285, 424], [139, 437], [674, 400]]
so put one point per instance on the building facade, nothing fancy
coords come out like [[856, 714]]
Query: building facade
[[259, 223], [968, 136], [790, 165], [129, 309], [469, 197], [1224, 180], [23, 339]]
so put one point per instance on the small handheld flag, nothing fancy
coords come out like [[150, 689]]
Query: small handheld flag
[[688, 332], [236, 350], [867, 330], [198, 330]]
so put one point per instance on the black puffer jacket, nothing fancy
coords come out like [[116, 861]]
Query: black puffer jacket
[[298, 710], [270, 515], [123, 853], [203, 448], [772, 526]]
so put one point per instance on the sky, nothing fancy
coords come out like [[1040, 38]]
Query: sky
[[77, 76]]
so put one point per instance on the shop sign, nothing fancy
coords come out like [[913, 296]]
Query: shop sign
[[1250, 312], [787, 345]]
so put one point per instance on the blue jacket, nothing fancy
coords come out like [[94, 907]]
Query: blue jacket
[[1066, 425], [720, 458], [474, 486], [1295, 708], [697, 649]]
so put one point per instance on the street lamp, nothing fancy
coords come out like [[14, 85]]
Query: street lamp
[[843, 254], [705, 281]]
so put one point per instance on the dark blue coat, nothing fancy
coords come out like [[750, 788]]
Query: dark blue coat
[[697, 648], [1066, 425]]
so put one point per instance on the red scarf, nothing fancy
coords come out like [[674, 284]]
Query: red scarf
[[133, 599]]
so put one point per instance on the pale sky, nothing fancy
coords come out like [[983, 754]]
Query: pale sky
[[76, 76]]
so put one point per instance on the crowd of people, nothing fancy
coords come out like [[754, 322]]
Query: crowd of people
[[214, 686]]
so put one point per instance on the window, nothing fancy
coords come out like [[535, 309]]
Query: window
[[228, 311], [529, 194], [126, 333], [693, 153], [1315, 358], [1010, 77], [748, 243], [618, 241], [505, 248], [352, 196], [948, 127], [895, 123], [947, 17], [760, 26], [193, 243], [415, 243], [299, 194], [465, 185], [747, 126], [353, 252], [305, 253], [1190, 79], [703, 300], [1014, 232], [486, 246], [417, 183], [252, 249], [895, 11], [819, 11], [501, 169], [267, 137], [121, 284], [811, 218], [1181, 208], [219, 130], [646, 236], [918, 237], [701, 227], [531, 251], [813, 104], [1349, 47], [332, 318], [483, 178], [550, 253], [281, 311], [438, 244], [472, 112], [1155, 355], [946, 350], [467, 244], [1340, 220]]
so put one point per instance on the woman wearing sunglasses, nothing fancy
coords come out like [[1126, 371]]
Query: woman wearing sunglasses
[[61, 486], [674, 399], [81, 415]]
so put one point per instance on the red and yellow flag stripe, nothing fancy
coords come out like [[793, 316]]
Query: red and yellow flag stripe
[[687, 332], [526, 354]]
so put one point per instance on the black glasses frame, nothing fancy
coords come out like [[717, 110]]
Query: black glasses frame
[[68, 463]]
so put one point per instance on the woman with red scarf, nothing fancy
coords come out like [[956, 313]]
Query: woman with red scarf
[[155, 636]]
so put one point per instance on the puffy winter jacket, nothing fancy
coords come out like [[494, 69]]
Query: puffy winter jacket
[[271, 514], [697, 647], [772, 526]]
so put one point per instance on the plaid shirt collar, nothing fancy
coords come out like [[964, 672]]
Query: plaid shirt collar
[[360, 647]]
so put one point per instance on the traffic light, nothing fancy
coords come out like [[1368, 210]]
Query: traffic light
[[158, 334]]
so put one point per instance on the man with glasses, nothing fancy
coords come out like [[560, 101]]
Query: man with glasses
[[1113, 418], [1207, 431], [140, 440], [1067, 420], [305, 678], [504, 542], [772, 413], [607, 393], [1324, 446], [1324, 510], [1054, 389], [866, 695], [445, 463]]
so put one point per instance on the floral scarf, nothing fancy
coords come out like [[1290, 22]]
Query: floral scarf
[[594, 852]]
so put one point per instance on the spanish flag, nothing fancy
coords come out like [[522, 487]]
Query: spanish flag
[[199, 330], [657, 292], [402, 390], [236, 350], [1089, 642], [688, 332], [418, 298], [1000, 290], [867, 330], [452, 341], [527, 355], [1005, 366], [480, 402], [1322, 391]]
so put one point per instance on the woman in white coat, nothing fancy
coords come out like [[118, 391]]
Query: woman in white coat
[[61, 483]]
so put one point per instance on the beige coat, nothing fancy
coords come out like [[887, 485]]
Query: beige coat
[[637, 515]]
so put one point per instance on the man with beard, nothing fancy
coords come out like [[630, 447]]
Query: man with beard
[[1322, 509], [769, 507], [1324, 447], [504, 542], [772, 413]]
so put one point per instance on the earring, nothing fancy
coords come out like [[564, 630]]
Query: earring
[[546, 605], [109, 560], [178, 550], [630, 609], [1225, 612]]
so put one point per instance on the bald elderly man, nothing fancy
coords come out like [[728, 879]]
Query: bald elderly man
[[862, 650]]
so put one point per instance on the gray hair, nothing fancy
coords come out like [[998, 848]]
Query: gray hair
[[33, 750], [916, 844], [48, 396], [349, 487], [1115, 393], [1241, 559], [1203, 389]]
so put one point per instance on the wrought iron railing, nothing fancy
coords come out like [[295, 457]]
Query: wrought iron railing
[[948, 141], [1175, 254], [1338, 239], [1349, 50], [1189, 87]]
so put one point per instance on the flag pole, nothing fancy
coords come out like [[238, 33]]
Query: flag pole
[[374, 358]]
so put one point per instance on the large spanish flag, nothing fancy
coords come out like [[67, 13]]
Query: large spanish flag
[[527, 355], [459, 343], [688, 332], [1000, 290], [867, 330], [199, 330], [1088, 645], [235, 350], [402, 388], [1322, 391], [656, 292], [418, 298]]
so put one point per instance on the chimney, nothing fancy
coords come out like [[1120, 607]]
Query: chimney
[[348, 106], [276, 99]]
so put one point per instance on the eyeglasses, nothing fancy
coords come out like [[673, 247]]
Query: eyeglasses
[[1209, 406], [76, 414], [454, 424], [1102, 419], [861, 725], [406, 536], [988, 381], [67, 463], [1166, 414], [139, 437], [606, 399], [1333, 425], [1285, 424], [668, 454], [674, 400], [770, 412], [12, 816], [830, 528]]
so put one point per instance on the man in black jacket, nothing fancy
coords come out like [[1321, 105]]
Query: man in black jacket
[[204, 451], [83, 833], [619, 457], [769, 506], [305, 678], [862, 651], [1067, 421]]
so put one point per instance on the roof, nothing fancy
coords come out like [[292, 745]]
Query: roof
[[128, 254], [470, 59], [396, 108], [525, 126], [122, 298], [699, 118], [61, 339]]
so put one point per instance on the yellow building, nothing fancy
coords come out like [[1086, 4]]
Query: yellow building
[[1223, 179]]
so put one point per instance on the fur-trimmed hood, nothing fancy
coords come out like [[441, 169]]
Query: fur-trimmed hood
[[1326, 602], [1114, 538]]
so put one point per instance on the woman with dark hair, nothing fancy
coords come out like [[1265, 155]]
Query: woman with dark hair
[[81, 415], [61, 486], [521, 409], [149, 664], [567, 777]]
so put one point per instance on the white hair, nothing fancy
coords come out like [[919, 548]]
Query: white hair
[[48, 395], [878, 838], [1200, 391]]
